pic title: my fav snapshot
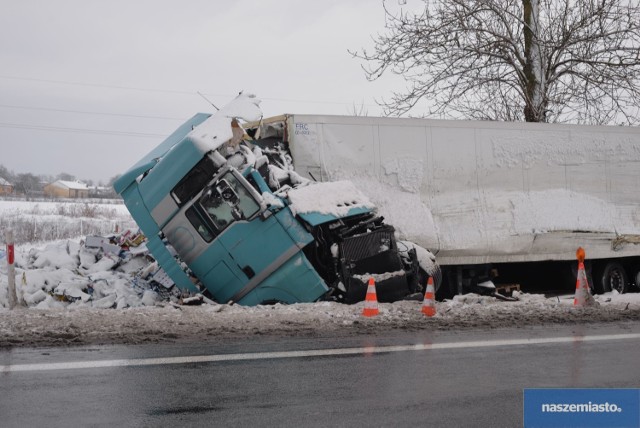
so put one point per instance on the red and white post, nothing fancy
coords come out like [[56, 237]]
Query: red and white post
[[11, 271]]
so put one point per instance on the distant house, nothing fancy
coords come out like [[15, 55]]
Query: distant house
[[66, 189], [106, 192], [6, 188]]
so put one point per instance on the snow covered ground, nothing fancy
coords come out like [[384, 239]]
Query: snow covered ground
[[76, 295], [42, 221], [163, 321]]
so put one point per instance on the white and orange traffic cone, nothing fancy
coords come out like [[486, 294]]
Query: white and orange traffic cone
[[429, 303], [371, 300], [583, 294]]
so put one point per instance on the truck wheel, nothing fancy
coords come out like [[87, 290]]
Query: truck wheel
[[436, 274], [614, 277], [448, 287], [423, 276]]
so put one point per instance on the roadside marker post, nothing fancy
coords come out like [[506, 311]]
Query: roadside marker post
[[13, 298]]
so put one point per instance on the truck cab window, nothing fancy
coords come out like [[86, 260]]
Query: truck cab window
[[199, 224], [194, 181], [228, 200]]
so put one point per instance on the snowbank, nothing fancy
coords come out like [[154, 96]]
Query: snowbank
[[77, 295], [80, 295], [171, 322]]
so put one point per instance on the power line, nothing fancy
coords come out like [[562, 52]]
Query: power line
[[80, 130], [289, 100], [137, 116], [182, 92], [98, 85]]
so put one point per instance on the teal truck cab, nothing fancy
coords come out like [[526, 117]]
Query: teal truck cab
[[225, 215]]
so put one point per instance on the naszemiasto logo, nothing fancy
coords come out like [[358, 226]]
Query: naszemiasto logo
[[581, 408]]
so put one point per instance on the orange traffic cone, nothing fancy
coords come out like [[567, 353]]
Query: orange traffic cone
[[582, 285], [371, 300], [429, 304]]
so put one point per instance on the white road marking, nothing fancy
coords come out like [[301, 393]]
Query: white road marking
[[368, 350]]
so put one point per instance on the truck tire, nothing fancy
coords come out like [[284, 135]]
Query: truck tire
[[423, 276], [436, 274], [448, 287], [613, 277]]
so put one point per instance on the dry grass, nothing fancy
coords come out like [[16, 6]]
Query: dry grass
[[39, 222]]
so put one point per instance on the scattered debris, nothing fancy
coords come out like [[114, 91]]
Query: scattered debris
[[507, 289], [195, 300], [502, 297], [114, 271]]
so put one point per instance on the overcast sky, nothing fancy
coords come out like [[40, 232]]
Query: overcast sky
[[89, 87]]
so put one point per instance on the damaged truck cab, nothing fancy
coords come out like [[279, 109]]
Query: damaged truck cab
[[216, 223], [205, 223]]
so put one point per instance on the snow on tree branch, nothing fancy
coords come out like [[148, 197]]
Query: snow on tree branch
[[535, 60]]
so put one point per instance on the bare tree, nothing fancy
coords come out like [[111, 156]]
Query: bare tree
[[359, 110], [534, 60], [114, 179], [27, 184], [65, 177], [6, 174]]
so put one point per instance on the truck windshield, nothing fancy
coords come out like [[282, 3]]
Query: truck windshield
[[194, 181], [228, 200]]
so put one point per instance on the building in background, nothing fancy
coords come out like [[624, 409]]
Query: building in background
[[103, 192], [66, 189], [6, 188]]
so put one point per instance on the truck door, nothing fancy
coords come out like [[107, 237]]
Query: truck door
[[258, 246]]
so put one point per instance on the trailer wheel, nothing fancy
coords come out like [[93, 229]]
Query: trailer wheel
[[614, 277]]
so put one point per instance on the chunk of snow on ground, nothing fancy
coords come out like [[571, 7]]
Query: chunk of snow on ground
[[54, 256]]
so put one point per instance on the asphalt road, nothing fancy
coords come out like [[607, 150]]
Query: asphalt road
[[436, 379]]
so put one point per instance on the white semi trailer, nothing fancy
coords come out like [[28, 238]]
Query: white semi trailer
[[488, 198]]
